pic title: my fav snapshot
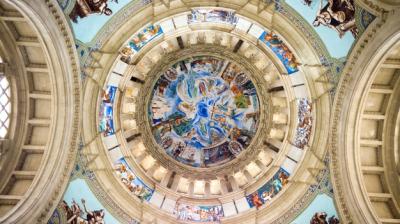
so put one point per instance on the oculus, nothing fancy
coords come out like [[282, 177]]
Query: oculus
[[204, 111]]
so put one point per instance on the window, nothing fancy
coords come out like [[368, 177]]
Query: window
[[5, 106]]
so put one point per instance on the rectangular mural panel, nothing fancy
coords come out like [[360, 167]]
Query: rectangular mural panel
[[106, 123], [212, 15], [131, 181], [198, 213], [281, 51], [304, 126], [269, 190], [333, 20], [145, 36]]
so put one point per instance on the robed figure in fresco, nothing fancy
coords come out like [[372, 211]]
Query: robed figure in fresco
[[83, 8], [321, 218], [337, 15]]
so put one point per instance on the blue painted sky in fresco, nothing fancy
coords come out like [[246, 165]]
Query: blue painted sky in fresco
[[88, 27], [337, 47], [78, 189], [321, 203]]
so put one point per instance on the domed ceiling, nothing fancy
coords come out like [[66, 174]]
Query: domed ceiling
[[204, 111]]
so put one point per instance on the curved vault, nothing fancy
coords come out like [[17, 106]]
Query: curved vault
[[367, 142]]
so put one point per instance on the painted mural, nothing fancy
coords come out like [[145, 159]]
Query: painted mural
[[281, 50], [198, 213], [337, 15], [131, 181], [106, 123], [212, 15], [139, 40], [333, 20], [320, 211], [89, 16], [144, 36], [304, 125], [84, 8], [269, 190], [80, 206], [322, 218], [204, 111]]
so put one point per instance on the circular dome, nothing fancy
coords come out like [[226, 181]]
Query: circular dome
[[204, 111], [163, 89]]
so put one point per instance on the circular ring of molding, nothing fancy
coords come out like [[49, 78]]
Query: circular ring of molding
[[196, 172]]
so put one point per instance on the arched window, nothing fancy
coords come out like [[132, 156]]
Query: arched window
[[5, 105]]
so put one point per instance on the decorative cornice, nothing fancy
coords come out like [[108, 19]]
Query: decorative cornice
[[346, 78], [63, 26]]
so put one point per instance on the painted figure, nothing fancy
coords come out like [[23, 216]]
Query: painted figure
[[267, 195], [94, 217], [281, 50], [337, 15], [106, 124], [256, 200], [304, 126], [277, 185], [74, 214], [213, 15], [83, 8], [283, 178], [333, 220]]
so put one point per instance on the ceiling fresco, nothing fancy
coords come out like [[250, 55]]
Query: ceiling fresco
[[80, 205], [88, 17], [337, 23], [204, 111], [321, 210], [333, 20]]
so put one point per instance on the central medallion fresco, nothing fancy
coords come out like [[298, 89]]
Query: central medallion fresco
[[204, 111]]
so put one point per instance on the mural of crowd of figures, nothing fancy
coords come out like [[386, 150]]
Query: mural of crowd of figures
[[204, 111], [139, 40], [212, 15], [106, 123], [198, 213], [269, 190], [281, 50], [131, 181], [304, 125]]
